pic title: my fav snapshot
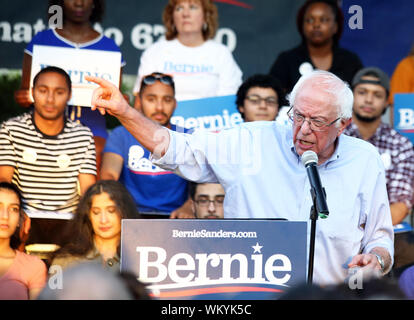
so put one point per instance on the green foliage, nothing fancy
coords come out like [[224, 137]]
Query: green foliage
[[9, 82]]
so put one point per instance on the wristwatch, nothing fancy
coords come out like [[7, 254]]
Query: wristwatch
[[380, 261]]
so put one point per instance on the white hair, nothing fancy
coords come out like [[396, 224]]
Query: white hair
[[342, 96], [87, 281]]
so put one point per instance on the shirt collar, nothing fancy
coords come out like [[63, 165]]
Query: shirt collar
[[43, 134], [353, 130], [94, 254]]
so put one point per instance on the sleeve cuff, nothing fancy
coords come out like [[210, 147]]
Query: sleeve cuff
[[167, 160]]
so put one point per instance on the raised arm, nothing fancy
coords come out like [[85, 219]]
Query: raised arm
[[22, 95], [111, 166], [6, 173], [108, 98]]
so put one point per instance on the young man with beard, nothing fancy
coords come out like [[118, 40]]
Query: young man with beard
[[371, 90], [158, 193]]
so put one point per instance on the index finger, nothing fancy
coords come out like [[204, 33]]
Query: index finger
[[355, 261], [102, 82], [97, 96]]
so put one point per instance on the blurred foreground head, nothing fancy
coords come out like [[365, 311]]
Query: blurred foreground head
[[87, 281]]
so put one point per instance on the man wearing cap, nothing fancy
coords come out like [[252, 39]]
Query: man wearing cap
[[371, 90], [158, 193]]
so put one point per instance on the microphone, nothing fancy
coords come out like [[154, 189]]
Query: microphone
[[310, 161]]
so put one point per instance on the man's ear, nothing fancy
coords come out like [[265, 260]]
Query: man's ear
[[193, 207], [385, 109], [175, 104], [336, 27], [137, 103], [344, 123]]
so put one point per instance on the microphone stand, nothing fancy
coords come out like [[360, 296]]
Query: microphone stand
[[313, 218], [314, 214]]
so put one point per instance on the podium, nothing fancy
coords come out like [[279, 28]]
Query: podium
[[215, 259]]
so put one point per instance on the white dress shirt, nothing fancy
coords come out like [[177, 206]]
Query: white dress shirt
[[263, 177]]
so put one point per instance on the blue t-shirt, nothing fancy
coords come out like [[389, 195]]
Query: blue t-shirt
[[155, 190], [50, 37], [92, 119]]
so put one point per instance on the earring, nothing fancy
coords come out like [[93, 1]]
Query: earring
[[205, 26]]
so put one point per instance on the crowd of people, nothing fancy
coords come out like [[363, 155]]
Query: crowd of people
[[66, 180]]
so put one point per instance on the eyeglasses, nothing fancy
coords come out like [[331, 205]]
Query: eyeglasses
[[314, 124], [163, 78], [204, 202], [257, 100]]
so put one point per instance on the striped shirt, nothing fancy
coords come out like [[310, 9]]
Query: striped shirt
[[47, 167], [397, 154]]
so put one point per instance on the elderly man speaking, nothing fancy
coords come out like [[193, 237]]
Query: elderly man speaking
[[259, 165]]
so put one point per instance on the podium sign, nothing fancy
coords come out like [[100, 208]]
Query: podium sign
[[215, 259], [404, 114]]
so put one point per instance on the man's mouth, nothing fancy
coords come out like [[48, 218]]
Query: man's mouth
[[367, 109], [306, 143]]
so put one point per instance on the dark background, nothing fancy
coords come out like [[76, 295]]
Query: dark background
[[263, 28]]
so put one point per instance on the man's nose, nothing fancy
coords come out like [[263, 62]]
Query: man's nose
[[306, 127], [211, 207]]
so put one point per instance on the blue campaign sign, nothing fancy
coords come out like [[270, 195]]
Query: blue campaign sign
[[212, 114], [215, 259], [404, 114]]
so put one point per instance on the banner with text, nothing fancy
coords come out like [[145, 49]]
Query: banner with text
[[255, 31], [404, 114], [215, 259], [211, 114]]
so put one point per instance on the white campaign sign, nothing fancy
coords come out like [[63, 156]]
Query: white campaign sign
[[78, 63]]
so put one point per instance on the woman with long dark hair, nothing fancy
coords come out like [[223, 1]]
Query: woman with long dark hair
[[22, 276], [95, 231]]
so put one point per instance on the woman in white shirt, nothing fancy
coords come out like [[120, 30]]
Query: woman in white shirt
[[201, 67]]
